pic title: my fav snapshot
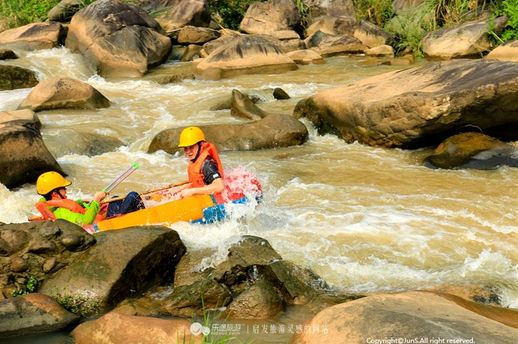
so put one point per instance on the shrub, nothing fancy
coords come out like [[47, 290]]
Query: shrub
[[20, 12]]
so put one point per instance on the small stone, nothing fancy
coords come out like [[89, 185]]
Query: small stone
[[49, 264], [42, 247], [19, 264], [279, 93], [72, 241]]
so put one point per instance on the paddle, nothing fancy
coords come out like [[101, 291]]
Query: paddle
[[134, 166]]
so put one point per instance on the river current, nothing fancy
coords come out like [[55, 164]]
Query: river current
[[365, 219]]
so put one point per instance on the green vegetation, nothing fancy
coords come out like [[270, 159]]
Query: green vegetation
[[508, 8], [375, 11], [229, 13], [78, 305], [21, 12], [30, 286]]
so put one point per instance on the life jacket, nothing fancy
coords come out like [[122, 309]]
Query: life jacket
[[194, 168], [45, 207]]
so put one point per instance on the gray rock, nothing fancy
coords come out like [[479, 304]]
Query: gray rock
[[23, 154], [32, 314], [122, 263], [272, 131], [420, 106]]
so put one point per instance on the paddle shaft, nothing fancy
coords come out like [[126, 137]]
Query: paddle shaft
[[114, 199]]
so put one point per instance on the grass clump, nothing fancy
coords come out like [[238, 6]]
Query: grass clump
[[19, 12]]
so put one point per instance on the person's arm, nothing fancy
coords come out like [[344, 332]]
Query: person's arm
[[79, 219], [216, 186]]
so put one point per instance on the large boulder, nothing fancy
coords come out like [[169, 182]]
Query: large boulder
[[120, 40], [266, 18], [506, 52], [175, 14], [63, 93], [34, 36], [304, 57], [270, 132], [31, 252], [470, 39], [196, 35], [405, 317], [32, 314], [367, 33], [420, 106], [473, 150], [120, 328], [254, 282], [23, 154], [330, 45], [242, 106], [65, 10], [245, 54], [13, 77], [122, 263], [82, 142]]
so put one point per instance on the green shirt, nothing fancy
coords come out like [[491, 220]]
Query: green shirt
[[87, 218]]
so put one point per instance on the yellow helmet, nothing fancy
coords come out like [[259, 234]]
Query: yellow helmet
[[190, 136], [49, 181]]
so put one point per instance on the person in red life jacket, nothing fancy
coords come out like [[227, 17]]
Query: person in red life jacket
[[205, 170], [55, 205]]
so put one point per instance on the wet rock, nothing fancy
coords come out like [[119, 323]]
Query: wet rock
[[65, 10], [32, 314], [305, 57], [171, 73], [7, 54], [473, 150], [83, 143], [13, 77], [420, 106], [274, 130], [179, 13], [119, 39], [13, 240], [261, 301], [63, 93], [120, 328], [280, 94], [243, 107], [406, 315], [191, 52], [122, 263], [245, 55], [252, 283], [267, 18], [196, 35], [505, 52], [468, 40], [33, 36], [23, 154]]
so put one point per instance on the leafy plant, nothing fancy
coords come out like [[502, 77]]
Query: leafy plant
[[375, 11], [508, 8], [30, 286], [78, 305], [229, 13]]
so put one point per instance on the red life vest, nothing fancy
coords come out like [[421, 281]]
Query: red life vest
[[194, 168]]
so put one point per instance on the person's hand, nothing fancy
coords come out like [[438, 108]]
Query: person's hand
[[186, 192], [99, 196]]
